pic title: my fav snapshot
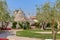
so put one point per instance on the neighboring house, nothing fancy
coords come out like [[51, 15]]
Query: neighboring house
[[33, 17], [32, 20]]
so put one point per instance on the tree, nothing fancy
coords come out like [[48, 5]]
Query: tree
[[51, 14], [43, 13], [4, 14]]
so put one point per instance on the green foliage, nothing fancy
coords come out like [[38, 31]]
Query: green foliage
[[48, 12], [37, 24], [14, 25], [4, 12], [55, 25], [21, 24], [25, 25], [48, 24], [28, 25]]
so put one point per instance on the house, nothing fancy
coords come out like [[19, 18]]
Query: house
[[19, 16], [33, 19]]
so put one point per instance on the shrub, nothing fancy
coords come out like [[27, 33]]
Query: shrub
[[28, 25], [14, 25], [21, 25], [37, 24], [48, 24], [24, 26], [55, 25]]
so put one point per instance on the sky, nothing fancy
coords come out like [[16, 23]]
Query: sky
[[28, 6]]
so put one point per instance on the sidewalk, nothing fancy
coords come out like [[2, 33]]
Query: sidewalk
[[14, 37], [21, 38], [47, 32]]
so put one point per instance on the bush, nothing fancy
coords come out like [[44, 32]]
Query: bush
[[14, 25], [37, 24], [26, 25], [55, 25], [21, 25], [48, 24]]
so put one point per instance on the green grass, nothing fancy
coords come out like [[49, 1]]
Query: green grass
[[32, 34], [40, 30]]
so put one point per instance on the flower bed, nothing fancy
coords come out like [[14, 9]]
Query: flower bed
[[4, 39], [5, 28]]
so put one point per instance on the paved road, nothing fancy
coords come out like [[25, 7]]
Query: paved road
[[11, 36]]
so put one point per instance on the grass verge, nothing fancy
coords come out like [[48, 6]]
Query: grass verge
[[32, 34]]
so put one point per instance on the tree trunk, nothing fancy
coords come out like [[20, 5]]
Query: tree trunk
[[2, 25], [42, 27], [6, 24], [54, 32]]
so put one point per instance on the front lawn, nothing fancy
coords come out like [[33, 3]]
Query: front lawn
[[32, 34]]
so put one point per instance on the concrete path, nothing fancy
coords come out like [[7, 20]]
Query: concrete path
[[47, 32], [11, 35]]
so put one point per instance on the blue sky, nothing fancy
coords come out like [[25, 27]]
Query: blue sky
[[28, 6]]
